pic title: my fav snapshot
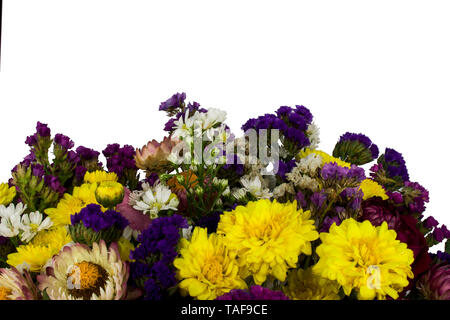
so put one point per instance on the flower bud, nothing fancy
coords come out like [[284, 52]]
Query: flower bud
[[109, 194]]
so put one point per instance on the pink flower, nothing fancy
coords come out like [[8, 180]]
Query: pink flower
[[138, 220], [153, 156]]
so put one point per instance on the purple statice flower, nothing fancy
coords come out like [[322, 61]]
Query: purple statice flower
[[73, 157], [174, 102], [300, 197], [318, 199], [430, 222], [253, 293], [441, 233], [363, 140], [53, 183], [159, 241], [120, 159], [31, 140], [285, 167], [395, 196], [37, 170], [353, 197], [395, 165], [42, 129], [417, 205], [63, 141], [80, 172], [332, 171], [328, 222], [93, 217], [87, 153]]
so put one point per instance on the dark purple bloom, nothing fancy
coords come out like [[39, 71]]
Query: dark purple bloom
[[334, 171], [93, 217], [430, 222], [395, 196], [209, 221], [318, 199], [300, 197], [159, 241], [80, 171], [254, 293], [395, 165], [174, 102], [73, 157], [443, 256], [86, 153], [64, 141], [285, 167], [31, 140], [42, 129], [37, 170], [53, 183], [328, 222], [420, 196]]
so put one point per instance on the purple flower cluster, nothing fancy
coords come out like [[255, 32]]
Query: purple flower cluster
[[394, 164], [152, 267], [291, 122], [332, 171], [254, 293], [174, 102], [119, 159], [88, 161], [285, 167], [42, 130], [421, 196], [93, 217], [63, 141], [53, 183], [363, 139], [210, 221]]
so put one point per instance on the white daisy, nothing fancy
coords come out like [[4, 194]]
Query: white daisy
[[157, 199], [11, 224], [33, 223], [254, 187]]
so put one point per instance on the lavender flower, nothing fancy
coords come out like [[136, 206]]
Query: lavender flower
[[93, 217], [173, 103], [63, 141], [53, 183]]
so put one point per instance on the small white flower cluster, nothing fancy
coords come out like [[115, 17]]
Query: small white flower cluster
[[254, 186], [313, 134], [152, 200], [15, 223], [304, 173]]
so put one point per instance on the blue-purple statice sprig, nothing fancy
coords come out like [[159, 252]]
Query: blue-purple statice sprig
[[390, 171], [120, 160], [152, 261], [292, 124], [91, 225], [355, 148]]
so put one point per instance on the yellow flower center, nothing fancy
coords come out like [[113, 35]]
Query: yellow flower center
[[87, 274], [34, 227], [212, 270], [363, 255], [4, 293]]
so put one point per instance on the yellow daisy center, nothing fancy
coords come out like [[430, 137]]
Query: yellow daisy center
[[212, 270], [4, 293], [85, 279], [34, 227]]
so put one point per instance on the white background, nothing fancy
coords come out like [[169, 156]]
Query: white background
[[96, 70]]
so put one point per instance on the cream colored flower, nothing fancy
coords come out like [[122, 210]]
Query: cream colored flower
[[81, 273]]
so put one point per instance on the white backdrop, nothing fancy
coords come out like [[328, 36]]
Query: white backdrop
[[96, 70]]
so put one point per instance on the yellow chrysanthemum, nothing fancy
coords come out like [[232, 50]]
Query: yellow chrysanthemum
[[326, 158], [267, 237], [72, 203], [206, 268], [7, 194], [44, 245], [365, 258], [109, 193], [371, 189], [100, 176], [307, 285]]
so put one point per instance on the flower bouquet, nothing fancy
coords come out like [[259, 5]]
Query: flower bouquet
[[205, 214]]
